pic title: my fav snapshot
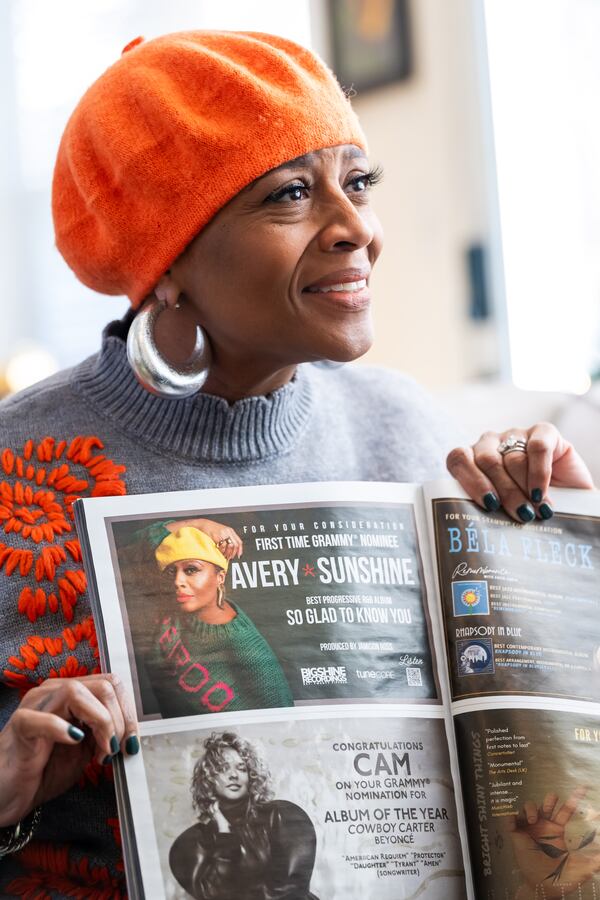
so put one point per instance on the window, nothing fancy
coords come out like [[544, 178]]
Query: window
[[545, 83]]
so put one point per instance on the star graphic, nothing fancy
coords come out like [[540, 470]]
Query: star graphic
[[309, 570]]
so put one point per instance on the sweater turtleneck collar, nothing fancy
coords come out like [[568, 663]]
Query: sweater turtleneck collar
[[202, 427]]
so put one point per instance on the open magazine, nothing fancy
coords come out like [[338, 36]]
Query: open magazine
[[383, 693]]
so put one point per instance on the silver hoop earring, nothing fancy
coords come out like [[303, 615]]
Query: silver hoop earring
[[328, 364], [155, 373]]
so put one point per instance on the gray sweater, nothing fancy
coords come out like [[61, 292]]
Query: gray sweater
[[94, 430]]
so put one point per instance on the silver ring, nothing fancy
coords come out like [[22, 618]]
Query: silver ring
[[512, 444], [226, 540]]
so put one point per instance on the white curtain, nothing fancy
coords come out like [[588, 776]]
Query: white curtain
[[50, 52]]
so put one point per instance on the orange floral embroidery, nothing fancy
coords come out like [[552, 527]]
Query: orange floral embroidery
[[37, 504], [51, 870], [113, 824], [37, 489], [116, 830], [35, 647], [94, 772]]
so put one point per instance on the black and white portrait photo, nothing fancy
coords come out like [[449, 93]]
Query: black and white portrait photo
[[245, 844], [303, 808]]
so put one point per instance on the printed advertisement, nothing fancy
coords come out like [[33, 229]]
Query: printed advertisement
[[532, 800], [343, 809], [314, 604], [521, 603]]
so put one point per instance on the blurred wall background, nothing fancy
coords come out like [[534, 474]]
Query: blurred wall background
[[488, 141], [437, 200]]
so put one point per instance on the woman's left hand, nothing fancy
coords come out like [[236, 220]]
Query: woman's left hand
[[519, 480]]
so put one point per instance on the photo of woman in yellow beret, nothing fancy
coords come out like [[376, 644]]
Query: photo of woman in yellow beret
[[207, 655]]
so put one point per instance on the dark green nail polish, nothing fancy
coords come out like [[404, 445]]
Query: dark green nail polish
[[546, 511], [536, 495], [107, 760], [114, 744], [76, 733], [526, 513], [491, 502], [132, 745]]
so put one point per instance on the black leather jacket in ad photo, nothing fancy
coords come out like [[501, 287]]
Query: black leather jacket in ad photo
[[269, 854]]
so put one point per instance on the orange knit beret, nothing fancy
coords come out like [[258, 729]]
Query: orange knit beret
[[170, 133]]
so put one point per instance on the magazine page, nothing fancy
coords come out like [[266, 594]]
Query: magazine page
[[293, 725], [521, 624]]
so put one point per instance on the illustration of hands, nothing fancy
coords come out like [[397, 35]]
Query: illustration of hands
[[548, 862]]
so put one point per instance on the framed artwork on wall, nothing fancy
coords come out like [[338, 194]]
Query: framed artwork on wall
[[370, 42]]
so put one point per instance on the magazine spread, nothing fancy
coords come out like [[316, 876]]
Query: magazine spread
[[350, 690]]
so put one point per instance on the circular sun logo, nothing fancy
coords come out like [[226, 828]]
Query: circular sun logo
[[470, 597]]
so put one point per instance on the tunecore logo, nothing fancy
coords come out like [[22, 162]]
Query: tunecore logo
[[324, 675]]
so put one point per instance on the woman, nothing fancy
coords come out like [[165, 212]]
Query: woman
[[222, 179], [208, 655], [245, 846]]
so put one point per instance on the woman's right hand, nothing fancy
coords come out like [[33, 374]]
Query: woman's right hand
[[56, 730], [220, 820], [226, 538]]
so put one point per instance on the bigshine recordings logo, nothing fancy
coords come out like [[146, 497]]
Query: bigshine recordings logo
[[324, 675]]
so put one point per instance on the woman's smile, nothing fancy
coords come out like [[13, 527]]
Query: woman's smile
[[345, 290], [232, 781]]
